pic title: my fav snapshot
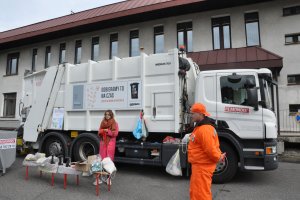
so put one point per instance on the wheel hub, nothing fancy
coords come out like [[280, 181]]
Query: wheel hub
[[221, 166], [55, 148], [86, 149]]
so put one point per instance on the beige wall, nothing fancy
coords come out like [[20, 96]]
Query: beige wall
[[273, 27]]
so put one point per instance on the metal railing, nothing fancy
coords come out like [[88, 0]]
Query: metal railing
[[288, 123]]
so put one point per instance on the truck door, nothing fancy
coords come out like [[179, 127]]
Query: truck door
[[232, 106]]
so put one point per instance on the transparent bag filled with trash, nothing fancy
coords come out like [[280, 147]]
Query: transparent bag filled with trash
[[173, 166], [96, 165]]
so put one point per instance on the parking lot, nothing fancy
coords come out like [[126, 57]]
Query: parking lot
[[141, 182]]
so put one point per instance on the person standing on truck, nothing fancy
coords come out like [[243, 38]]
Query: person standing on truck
[[108, 132], [203, 153]]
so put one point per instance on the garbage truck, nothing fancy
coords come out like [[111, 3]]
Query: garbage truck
[[63, 105]]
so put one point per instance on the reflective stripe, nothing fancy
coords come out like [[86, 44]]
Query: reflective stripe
[[254, 168], [262, 150]]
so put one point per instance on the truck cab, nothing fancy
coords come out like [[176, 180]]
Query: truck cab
[[242, 103]]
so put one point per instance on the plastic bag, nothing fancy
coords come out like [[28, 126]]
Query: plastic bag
[[96, 165], [137, 132], [108, 165], [173, 166], [145, 132]]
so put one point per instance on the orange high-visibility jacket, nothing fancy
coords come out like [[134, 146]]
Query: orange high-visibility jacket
[[204, 147], [203, 153]]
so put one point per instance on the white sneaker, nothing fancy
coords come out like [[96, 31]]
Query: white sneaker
[[95, 182]]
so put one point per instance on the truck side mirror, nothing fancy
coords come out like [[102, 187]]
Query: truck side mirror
[[252, 97]]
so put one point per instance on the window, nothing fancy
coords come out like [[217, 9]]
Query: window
[[159, 40], [294, 10], [34, 60], [113, 45], [252, 29], [293, 79], [134, 43], [221, 33], [77, 52], [185, 35], [294, 108], [234, 93], [9, 104], [47, 56], [95, 49], [12, 64], [62, 53], [292, 38]]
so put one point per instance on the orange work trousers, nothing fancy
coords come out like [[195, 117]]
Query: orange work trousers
[[200, 185]]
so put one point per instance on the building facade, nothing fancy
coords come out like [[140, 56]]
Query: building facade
[[269, 27]]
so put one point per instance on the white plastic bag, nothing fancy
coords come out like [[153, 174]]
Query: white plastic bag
[[173, 166], [108, 165]]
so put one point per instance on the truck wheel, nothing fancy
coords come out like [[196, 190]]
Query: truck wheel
[[86, 144], [55, 144], [226, 170]]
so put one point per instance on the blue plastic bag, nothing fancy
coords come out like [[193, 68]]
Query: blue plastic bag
[[138, 131]]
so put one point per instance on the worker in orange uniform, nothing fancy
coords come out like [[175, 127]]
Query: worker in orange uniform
[[203, 153]]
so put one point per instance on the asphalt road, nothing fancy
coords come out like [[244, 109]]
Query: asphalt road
[[143, 183]]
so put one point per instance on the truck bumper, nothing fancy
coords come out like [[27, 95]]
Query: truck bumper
[[262, 158], [271, 160]]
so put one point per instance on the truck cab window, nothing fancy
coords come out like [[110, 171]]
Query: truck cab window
[[235, 92]]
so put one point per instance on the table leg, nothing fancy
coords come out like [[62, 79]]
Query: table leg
[[108, 183], [41, 173], [26, 174], [52, 180], [65, 181], [97, 185], [77, 179]]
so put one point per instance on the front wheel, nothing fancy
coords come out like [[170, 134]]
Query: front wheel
[[226, 170], [87, 144]]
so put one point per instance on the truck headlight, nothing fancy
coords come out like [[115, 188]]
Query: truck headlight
[[271, 150]]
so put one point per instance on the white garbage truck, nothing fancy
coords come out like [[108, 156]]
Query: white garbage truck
[[62, 107]]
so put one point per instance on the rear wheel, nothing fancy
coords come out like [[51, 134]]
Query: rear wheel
[[226, 170], [55, 144], [85, 145]]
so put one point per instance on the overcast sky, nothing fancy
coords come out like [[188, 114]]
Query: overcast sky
[[17, 13]]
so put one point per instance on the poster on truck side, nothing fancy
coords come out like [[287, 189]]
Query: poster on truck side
[[121, 95], [57, 118]]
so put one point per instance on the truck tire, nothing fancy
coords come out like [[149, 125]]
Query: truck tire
[[226, 171], [55, 144], [86, 144]]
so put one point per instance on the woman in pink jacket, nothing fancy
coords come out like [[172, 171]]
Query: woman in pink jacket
[[108, 133]]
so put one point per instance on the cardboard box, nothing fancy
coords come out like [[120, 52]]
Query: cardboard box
[[85, 166]]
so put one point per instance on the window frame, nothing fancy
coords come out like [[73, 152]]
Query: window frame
[[297, 81], [34, 59], [78, 45], [133, 34], [62, 47], [295, 38], [185, 27], [292, 111], [9, 63], [5, 99], [95, 41], [250, 18], [221, 22], [158, 31], [114, 37], [47, 56], [294, 10]]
